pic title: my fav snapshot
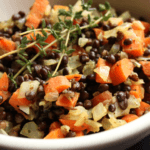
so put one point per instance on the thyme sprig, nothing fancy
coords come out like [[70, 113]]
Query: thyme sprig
[[62, 29]]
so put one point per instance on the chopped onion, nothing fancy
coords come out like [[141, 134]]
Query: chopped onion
[[2, 131], [88, 48], [80, 121], [139, 24], [30, 130], [112, 123], [52, 96], [99, 111], [115, 49], [25, 109], [125, 16], [124, 27], [103, 72], [50, 62], [115, 21], [113, 12], [143, 58], [75, 71], [74, 62], [28, 86], [140, 81], [88, 68], [82, 42], [124, 55], [93, 125], [65, 129], [47, 10], [136, 64]]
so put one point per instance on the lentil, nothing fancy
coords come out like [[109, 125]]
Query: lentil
[[128, 41], [121, 96], [112, 107], [103, 87]]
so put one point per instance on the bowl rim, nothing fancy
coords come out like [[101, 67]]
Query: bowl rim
[[103, 139]]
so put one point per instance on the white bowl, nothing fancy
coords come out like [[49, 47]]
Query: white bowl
[[118, 138]]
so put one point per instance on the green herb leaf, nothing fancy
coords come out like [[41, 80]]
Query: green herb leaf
[[106, 17], [49, 75], [20, 62], [78, 29], [87, 5], [70, 51], [29, 69], [44, 33], [107, 5], [43, 23], [89, 18], [78, 15], [63, 12], [69, 24], [28, 29], [102, 7], [95, 18], [56, 50]]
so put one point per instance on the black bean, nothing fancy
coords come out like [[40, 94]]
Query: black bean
[[120, 36], [57, 55], [103, 87], [96, 43], [92, 55], [1, 67], [126, 88], [42, 126], [106, 27], [19, 118], [142, 19], [9, 117], [112, 40], [40, 91], [89, 34], [134, 77], [22, 13], [94, 50], [133, 111], [118, 56], [16, 17], [87, 104], [100, 24], [117, 87], [91, 77], [41, 81], [2, 115], [51, 55], [130, 20], [9, 58], [112, 26], [1, 99], [65, 71], [83, 78], [59, 111], [79, 104], [123, 104], [11, 87], [65, 60], [127, 94], [84, 95], [112, 107], [75, 86], [147, 52], [111, 59], [30, 95], [19, 80], [84, 59], [121, 96], [71, 134], [82, 86], [104, 53], [37, 69], [51, 116], [44, 73], [90, 42], [128, 41]]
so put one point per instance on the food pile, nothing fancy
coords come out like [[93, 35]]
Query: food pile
[[70, 71]]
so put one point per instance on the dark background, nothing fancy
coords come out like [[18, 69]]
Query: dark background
[[142, 145]]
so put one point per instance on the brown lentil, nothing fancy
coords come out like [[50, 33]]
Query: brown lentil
[[1, 99], [87, 104], [19, 118], [128, 41], [120, 36], [111, 59], [2, 115], [103, 87], [71, 134], [147, 52], [30, 95], [123, 104], [121, 96], [134, 77], [112, 107]]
